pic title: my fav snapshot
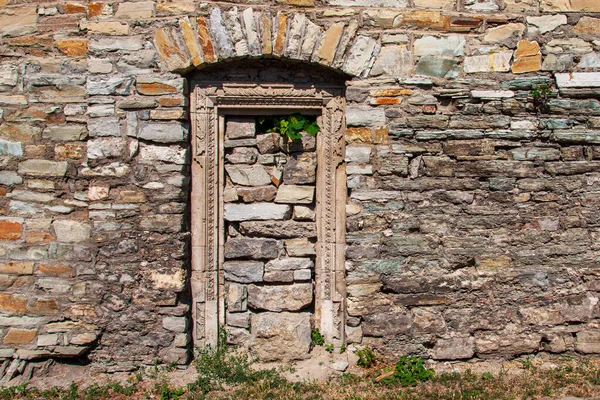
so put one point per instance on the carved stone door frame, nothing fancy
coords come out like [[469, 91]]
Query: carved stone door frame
[[211, 101]]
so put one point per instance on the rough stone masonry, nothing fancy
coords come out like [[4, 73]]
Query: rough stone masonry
[[473, 155]]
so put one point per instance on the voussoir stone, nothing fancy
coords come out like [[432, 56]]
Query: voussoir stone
[[248, 175], [252, 248], [280, 298], [281, 336], [243, 271], [256, 211]]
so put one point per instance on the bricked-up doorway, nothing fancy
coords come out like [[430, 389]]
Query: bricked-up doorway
[[258, 88]]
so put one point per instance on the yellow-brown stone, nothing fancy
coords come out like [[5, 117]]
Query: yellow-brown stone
[[381, 135], [72, 47], [571, 5], [358, 135], [18, 132], [280, 36], [69, 150], [43, 306], [13, 303], [588, 26], [113, 28], [132, 196], [171, 101], [10, 230], [74, 8], [35, 236], [205, 42], [18, 21], [19, 336], [528, 57], [171, 55], [332, 36], [97, 9], [190, 39], [266, 32], [299, 3], [56, 270], [16, 268], [390, 92], [155, 89], [492, 261], [425, 19], [387, 100]]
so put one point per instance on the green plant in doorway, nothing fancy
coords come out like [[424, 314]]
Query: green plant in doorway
[[290, 126]]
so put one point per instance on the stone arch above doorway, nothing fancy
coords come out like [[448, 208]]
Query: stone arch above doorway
[[233, 34], [214, 96]]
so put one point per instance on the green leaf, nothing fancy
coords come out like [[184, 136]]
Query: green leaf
[[312, 129]]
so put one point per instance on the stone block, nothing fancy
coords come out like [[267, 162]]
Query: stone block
[[452, 45], [237, 298], [163, 132], [587, 26], [528, 57], [130, 43], [454, 349], [289, 264], [358, 154], [279, 277], [135, 10], [240, 127], [294, 194], [9, 75], [18, 21], [68, 231], [507, 34], [243, 271], [259, 193], [267, 143], [243, 155], [67, 133], [300, 169], [103, 148], [43, 168], [248, 175], [548, 23], [300, 247], [578, 80], [570, 6], [257, 211], [149, 154], [281, 336], [108, 28], [588, 342], [279, 229], [494, 62], [100, 127], [83, 339], [393, 60], [19, 336], [280, 298], [16, 267], [14, 149], [382, 324], [365, 116], [239, 320], [175, 324], [252, 248]]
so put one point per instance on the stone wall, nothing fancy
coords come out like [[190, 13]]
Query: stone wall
[[473, 146], [270, 240]]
